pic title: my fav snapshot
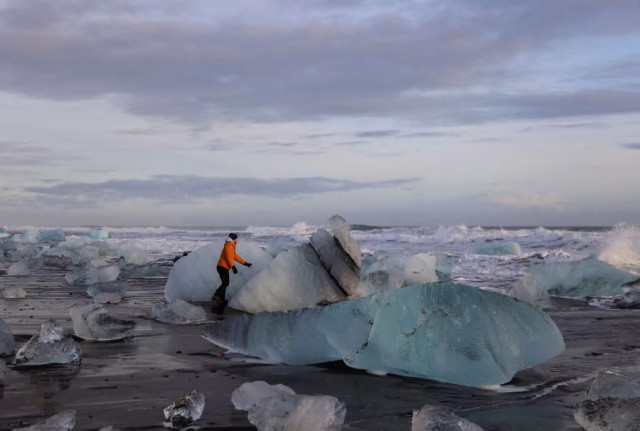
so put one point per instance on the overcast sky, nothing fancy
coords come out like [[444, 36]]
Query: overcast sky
[[270, 112]]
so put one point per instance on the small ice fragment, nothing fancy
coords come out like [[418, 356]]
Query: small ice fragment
[[178, 311], [19, 269], [435, 418], [51, 346], [248, 394], [92, 322], [7, 343], [14, 293], [612, 385], [185, 410], [63, 421], [119, 287]]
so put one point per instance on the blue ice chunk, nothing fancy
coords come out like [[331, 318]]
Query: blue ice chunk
[[587, 277], [52, 235], [447, 332], [498, 248], [98, 233]]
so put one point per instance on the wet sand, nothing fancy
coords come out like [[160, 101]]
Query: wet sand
[[127, 384]]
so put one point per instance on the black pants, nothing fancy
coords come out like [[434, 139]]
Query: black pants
[[224, 278]]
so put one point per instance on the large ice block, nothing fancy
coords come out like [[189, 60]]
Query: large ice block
[[294, 279], [194, 278], [51, 346], [92, 322], [447, 332], [52, 235], [587, 277], [340, 265], [100, 233], [437, 418], [7, 343]]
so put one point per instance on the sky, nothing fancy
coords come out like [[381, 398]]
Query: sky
[[272, 112]]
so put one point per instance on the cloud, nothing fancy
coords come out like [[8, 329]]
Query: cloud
[[532, 200], [181, 66], [181, 189], [633, 146], [377, 133]]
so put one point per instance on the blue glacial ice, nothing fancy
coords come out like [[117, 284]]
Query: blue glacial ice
[[7, 343], [101, 233], [279, 408], [52, 235], [498, 248], [51, 346], [92, 322], [438, 418], [447, 332], [185, 410], [587, 277]]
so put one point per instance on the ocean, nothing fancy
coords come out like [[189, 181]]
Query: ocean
[[598, 338]]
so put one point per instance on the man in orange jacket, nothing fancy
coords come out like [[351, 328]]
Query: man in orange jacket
[[226, 263]]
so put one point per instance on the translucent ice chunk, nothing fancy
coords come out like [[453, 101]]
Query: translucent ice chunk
[[612, 385], [63, 421], [51, 346], [498, 248], [248, 394], [631, 295], [608, 414], [20, 269], [7, 343], [294, 279], [53, 235], [588, 277], [529, 289], [178, 311], [14, 293], [92, 322], [185, 410], [448, 332], [98, 233], [436, 418], [131, 253], [119, 287], [194, 278], [89, 276]]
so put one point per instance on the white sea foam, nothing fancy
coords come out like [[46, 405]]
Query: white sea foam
[[621, 248]]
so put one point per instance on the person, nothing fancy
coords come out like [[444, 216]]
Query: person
[[226, 263]]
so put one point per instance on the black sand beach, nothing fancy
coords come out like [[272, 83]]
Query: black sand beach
[[127, 384]]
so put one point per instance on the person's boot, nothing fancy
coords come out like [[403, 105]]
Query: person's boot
[[218, 308]]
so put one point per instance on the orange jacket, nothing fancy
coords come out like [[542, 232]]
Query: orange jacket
[[228, 255]]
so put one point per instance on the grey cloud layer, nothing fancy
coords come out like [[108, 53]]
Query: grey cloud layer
[[385, 64], [168, 188]]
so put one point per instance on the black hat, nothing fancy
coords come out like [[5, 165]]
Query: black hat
[[233, 236]]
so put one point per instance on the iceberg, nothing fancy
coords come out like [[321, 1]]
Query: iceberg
[[92, 322], [98, 233], [448, 332], [435, 418], [194, 278], [178, 311], [278, 408], [185, 410], [498, 248], [19, 269], [51, 346], [7, 343], [53, 235], [14, 293], [63, 421], [587, 277]]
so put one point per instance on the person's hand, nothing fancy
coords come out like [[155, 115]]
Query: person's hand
[[248, 264], [234, 269]]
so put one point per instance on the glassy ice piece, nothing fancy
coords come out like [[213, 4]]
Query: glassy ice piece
[[185, 410], [435, 418], [284, 412], [7, 343], [612, 385], [14, 293], [119, 287], [341, 231], [98, 233], [294, 279], [498, 248], [53, 235], [344, 271], [529, 289], [194, 278], [51, 346], [89, 276], [29, 235], [248, 394], [448, 332], [19, 269], [631, 295], [92, 322], [131, 253], [63, 421], [178, 311], [587, 277], [608, 414]]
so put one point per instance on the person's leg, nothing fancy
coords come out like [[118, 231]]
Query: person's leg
[[219, 296]]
